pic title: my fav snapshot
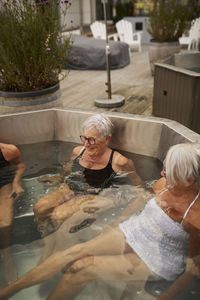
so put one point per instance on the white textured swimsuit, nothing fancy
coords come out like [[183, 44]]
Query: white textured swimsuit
[[158, 240]]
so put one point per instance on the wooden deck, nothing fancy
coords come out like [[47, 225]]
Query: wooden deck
[[134, 82], [80, 88]]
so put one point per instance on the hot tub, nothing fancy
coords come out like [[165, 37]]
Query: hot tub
[[177, 89], [141, 135], [148, 136]]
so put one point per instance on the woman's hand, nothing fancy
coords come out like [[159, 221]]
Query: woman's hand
[[17, 190]]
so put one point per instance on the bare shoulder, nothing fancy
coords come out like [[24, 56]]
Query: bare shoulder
[[10, 151], [121, 162], [159, 185], [76, 151]]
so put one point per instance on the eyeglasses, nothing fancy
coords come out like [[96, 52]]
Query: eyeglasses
[[90, 140]]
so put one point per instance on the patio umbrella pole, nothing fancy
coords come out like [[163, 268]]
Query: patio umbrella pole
[[111, 100], [108, 83]]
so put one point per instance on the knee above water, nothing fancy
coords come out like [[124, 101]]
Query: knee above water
[[39, 207], [36, 206]]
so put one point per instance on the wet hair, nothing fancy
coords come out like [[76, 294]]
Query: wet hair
[[101, 122], [183, 163]]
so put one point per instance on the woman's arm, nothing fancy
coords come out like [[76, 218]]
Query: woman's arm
[[13, 155], [122, 164], [179, 286], [184, 281], [56, 179], [191, 274], [17, 188]]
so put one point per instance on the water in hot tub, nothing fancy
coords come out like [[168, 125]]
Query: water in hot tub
[[27, 246]]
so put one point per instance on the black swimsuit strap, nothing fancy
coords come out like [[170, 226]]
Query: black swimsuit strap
[[111, 157], [2, 157], [80, 155]]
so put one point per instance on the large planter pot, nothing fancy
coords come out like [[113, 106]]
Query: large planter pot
[[161, 50], [11, 102]]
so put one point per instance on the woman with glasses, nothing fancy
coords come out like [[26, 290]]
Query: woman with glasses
[[92, 169], [155, 243]]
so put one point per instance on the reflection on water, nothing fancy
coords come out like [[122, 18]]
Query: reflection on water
[[87, 222]]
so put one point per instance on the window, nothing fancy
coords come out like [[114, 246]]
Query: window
[[138, 26]]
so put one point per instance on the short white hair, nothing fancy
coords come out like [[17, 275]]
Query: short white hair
[[183, 163], [101, 122]]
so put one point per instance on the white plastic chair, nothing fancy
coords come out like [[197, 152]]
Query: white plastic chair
[[126, 34], [192, 40], [99, 31]]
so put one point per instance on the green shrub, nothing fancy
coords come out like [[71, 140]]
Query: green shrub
[[169, 20], [32, 52]]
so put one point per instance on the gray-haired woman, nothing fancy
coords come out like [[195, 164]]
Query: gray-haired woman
[[92, 168], [156, 242]]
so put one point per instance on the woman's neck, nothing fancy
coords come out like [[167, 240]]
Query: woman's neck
[[94, 156]]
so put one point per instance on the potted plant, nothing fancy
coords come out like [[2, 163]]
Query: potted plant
[[167, 22], [32, 51]]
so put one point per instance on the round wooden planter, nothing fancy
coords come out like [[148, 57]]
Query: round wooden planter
[[11, 102], [158, 51]]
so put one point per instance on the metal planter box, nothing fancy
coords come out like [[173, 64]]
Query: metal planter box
[[176, 93]]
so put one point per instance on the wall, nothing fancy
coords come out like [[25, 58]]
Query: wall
[[134, 20], [70, 17], [81, 12]]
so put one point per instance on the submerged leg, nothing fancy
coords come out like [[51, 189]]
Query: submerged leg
[[6, 222], [45, 205], [88, 204], [126, 267], [62, 238], [49, 246], [74, 213], [111, 242]]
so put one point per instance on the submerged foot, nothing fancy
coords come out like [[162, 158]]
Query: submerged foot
[[82, 225]]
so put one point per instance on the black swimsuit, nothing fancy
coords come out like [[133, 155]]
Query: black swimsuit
[[87, 180], [6, 173], [3, 162]]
